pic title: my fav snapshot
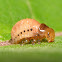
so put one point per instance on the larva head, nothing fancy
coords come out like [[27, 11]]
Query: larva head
[[50, 34], [47, 32]]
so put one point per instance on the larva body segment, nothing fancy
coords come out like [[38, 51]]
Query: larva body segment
[[24, 29]]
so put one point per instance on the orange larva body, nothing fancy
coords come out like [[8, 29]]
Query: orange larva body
[[24, 29], [30, 29]]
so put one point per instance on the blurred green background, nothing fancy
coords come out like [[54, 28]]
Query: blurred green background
[[44, 11]]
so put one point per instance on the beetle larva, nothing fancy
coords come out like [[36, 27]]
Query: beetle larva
[[30, 30]]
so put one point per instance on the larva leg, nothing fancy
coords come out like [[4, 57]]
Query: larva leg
[[33, 41], [39, 41], [22, 43], [26, 41]]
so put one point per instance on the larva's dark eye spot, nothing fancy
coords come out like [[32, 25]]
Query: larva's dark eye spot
[[31, 29], [21, 32], [18, 34], [24, 30], [14, 39]]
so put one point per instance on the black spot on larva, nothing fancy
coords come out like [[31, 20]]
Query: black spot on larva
[[21, 32], [24, 30], [28, 30], [18, 34], [31, 29], [14, 39]]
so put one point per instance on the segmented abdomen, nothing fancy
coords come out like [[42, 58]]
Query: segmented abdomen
[[24, 29]]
